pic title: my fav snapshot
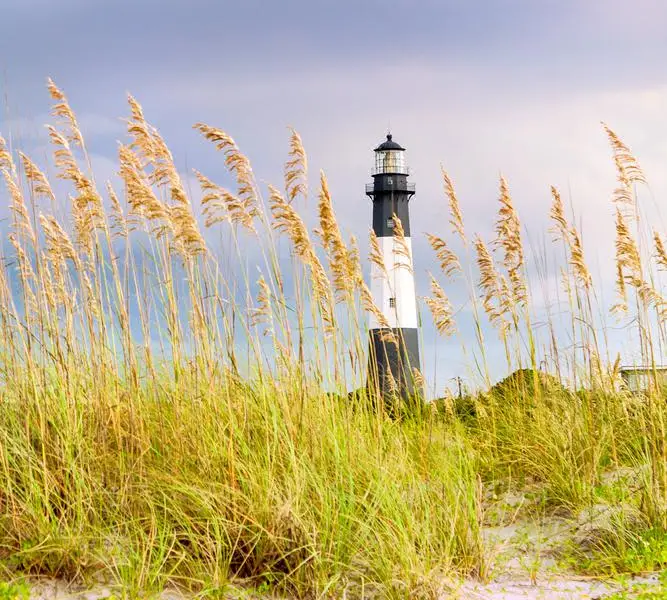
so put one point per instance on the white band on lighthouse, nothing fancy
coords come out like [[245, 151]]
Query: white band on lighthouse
[[394, 291]]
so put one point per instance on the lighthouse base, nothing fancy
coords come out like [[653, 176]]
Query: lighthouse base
[[391, 366]]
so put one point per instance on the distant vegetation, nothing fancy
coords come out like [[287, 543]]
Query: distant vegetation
[[173, 416]]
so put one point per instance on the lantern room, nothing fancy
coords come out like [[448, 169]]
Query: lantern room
[[390, 158]]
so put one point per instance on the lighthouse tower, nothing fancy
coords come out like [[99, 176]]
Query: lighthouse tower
[[392, 359]]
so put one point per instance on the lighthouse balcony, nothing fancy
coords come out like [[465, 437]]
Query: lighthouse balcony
[[388, 185], [395, 169]]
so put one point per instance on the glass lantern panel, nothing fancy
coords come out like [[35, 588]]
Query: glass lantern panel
[[390, 161]]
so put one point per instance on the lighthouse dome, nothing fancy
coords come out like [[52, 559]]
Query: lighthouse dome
[[389, 144]]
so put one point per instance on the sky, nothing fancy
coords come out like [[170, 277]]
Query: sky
[[517, 87]]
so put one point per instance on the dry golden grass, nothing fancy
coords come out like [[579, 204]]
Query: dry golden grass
[[456, 219], [448, 261], [628, 170], [441, 309], [490, 284], [173, 417], [296, 168], [660, 253]]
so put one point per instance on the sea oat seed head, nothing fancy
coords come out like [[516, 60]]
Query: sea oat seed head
[[296, 168], [456, 220], [449, 263], [660, 253], [441, 309]]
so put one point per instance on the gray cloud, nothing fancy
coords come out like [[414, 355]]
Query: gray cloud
[[516, 86]]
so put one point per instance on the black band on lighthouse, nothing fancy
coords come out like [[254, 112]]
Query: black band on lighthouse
[[391, 194], [393, 364]]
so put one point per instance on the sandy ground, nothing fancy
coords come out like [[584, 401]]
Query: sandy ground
[[523, 555], [556, 588], [503, 588]]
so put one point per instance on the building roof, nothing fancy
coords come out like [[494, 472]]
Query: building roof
[[642, 368], [389, 144]]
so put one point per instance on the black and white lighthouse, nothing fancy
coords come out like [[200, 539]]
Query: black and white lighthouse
[[393, 359]]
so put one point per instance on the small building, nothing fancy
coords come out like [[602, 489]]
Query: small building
[[640, 378]]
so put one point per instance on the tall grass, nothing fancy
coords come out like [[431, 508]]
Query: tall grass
[[170, 417]]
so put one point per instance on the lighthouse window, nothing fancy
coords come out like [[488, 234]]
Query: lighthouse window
[[392, 302], [390, 161]]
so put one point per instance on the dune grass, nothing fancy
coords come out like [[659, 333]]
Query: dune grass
[[170, 418]]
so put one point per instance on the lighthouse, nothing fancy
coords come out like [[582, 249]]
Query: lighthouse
[[393, 350]]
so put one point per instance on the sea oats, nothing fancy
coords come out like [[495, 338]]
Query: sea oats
[[577, 261], [187, 236], [489, 283], [237, 163], [214, 201], [572, 239], [660, 253], [627, 168], [402, 254], [6, 160], [441, 309], [4, 288], [508, 230], [621, 305], [164, 171], [342, 265], [627, 254], [628, 266], [456, 220], [39, 182], [63, 110], [59, 246], [288, 221], [376, 255], [91, 299], [626, 161], [387, 336], [596, 368], [221, 205], [391, 386], [140, 131], [615, 369], [448, 402], [565, 281], [506, 299], [508, 227], [143, 203], [354, 261], [149, 145], [48, 290], [25, 265], [651, 297], [557, 214], [448, 261], [87, 208], [418, 378], [328, 230], [262, 314], [119, 227], [27, 275], [22, 221], [296, 168], [369, 305]]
